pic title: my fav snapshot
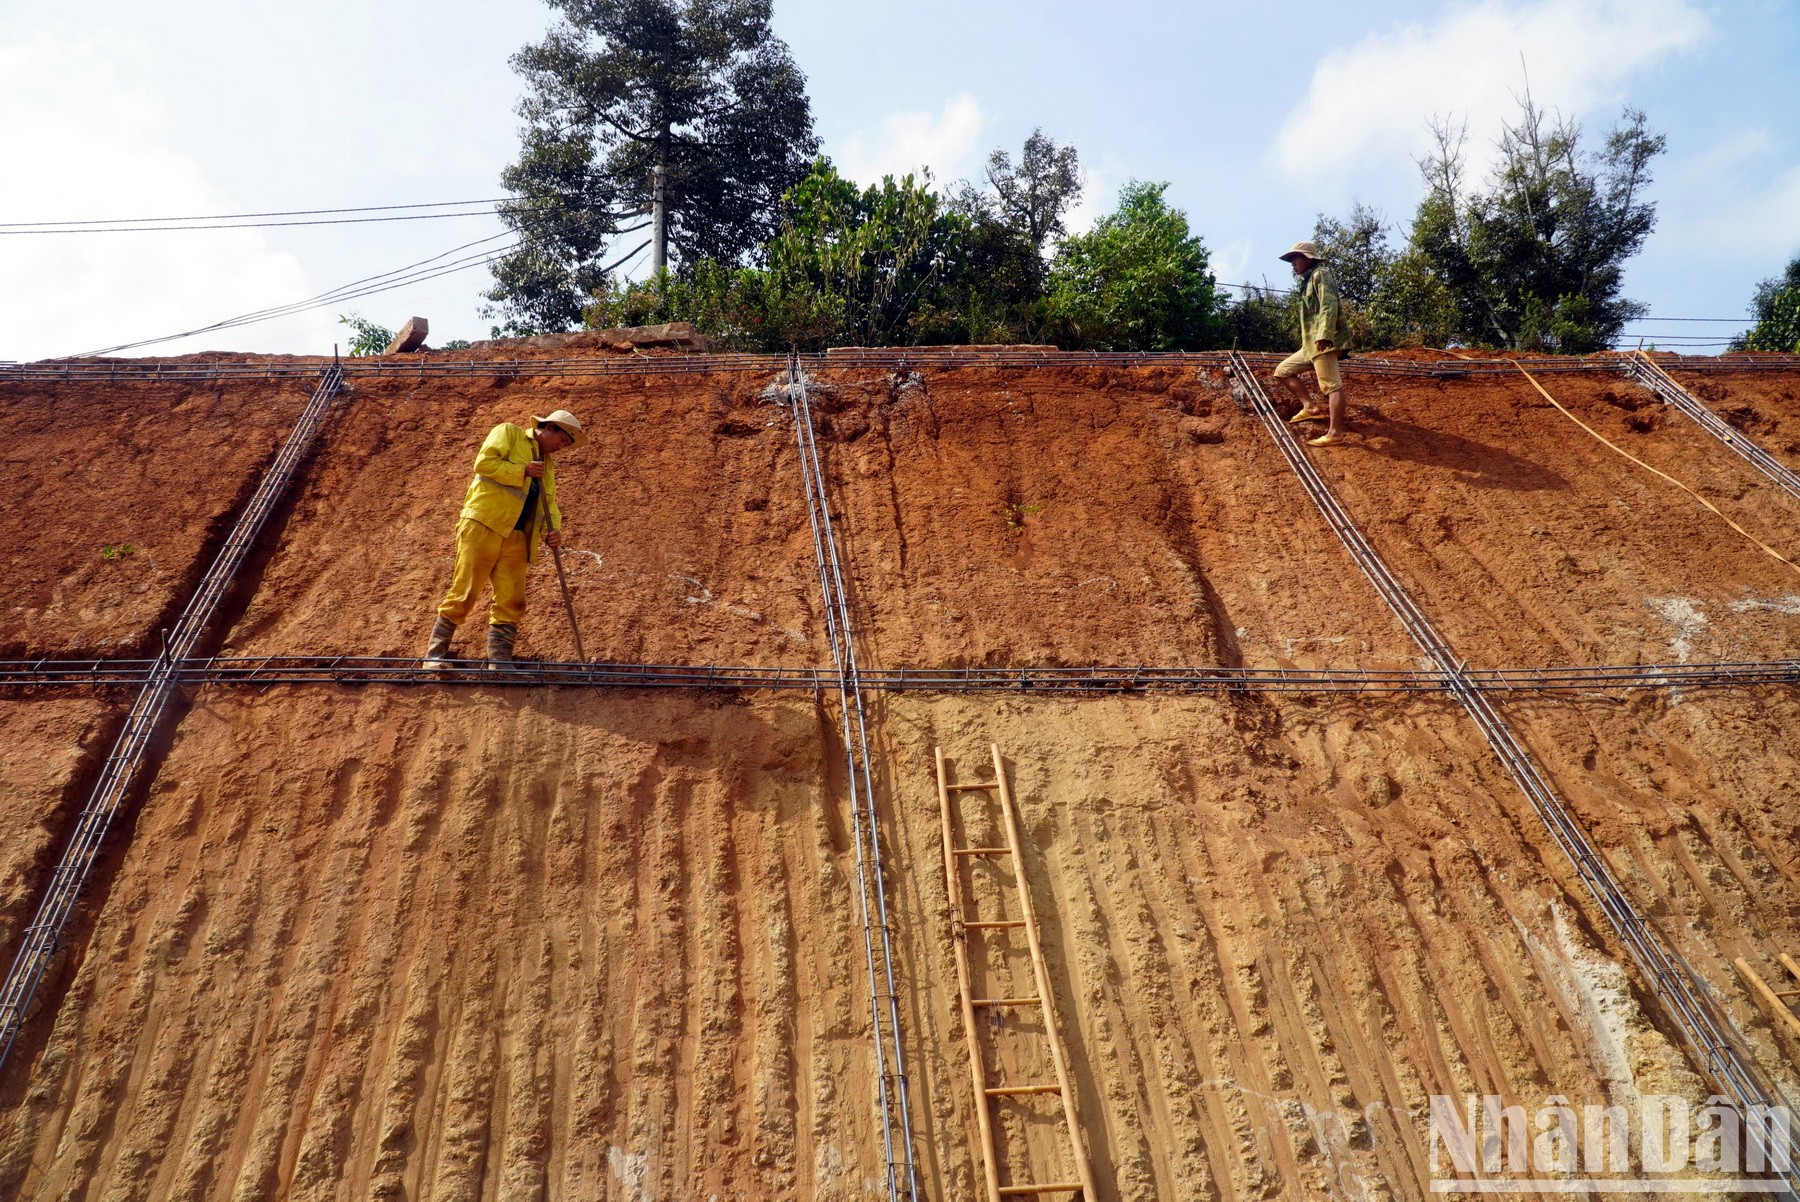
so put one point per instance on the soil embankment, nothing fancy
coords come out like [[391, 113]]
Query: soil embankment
[[456, 942], [124, 490]]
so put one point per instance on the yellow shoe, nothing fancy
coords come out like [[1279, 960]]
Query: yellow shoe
[[1327, 439], [1306, 415]]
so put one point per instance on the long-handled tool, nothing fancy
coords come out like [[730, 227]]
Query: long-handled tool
[[568, 606], [562, 580]]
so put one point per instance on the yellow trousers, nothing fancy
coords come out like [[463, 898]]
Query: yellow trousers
[[1324, 365], [483, 555]]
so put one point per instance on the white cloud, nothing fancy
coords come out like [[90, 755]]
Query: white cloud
[[1099, 194], [1230, 262], [83, 146], [1731, 200], [948, 142], [1373, 102]]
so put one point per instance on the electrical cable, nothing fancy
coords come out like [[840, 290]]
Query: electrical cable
[[248, 225], [406, 276], [436, 204]]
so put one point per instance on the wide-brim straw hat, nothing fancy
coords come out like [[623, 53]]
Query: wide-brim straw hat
[[1309, 249], [565, 421]]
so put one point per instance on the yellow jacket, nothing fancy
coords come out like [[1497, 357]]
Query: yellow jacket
[[1321, 313], [497, 493]]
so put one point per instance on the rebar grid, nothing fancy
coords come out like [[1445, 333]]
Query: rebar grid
[[1676, 984], [894, 1097], [44, 931], [1647, 372]]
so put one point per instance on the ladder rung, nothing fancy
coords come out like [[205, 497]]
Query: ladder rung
[[994, 926], [1001, 1091], [988, 785], [981, 851], [1004, 1001], [1047, 1188]]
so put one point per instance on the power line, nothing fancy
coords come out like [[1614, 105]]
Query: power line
[[413, 273], [435, 204], [248, 225], [400, 277]]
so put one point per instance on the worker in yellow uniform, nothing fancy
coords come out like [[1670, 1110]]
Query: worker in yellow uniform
[[510, 509], [1324, 339]]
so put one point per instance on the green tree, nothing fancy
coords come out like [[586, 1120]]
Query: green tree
[[1261, 319], [1137, 281], [1536, 262], [370, 339], [700, 91], [881, 259], [1011, 223], [850, 267], [737, 308], [1357, 250], [1776, 308], [1034, 197]]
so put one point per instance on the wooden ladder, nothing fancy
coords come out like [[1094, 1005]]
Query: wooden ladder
[[961, 924]]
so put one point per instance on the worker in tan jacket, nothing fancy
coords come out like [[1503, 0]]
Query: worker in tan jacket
[[1324, 339], [509, 511]]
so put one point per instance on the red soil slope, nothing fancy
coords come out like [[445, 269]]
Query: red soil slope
[[152, 473], [463, 942]]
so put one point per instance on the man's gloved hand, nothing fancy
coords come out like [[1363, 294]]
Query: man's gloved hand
[[553, 538], [535, 469]]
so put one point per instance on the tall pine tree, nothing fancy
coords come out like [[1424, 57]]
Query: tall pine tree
[[702, 90]]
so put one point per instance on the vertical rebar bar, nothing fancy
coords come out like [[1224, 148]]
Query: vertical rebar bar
[[45, 930], [894, 1100]]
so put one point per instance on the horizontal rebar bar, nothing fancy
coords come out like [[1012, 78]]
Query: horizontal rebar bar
[[1051, 681], [896, 358]]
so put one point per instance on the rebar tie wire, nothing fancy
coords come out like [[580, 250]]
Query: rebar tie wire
[[1674, 982]]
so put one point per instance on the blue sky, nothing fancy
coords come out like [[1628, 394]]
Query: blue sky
[[1259, 117]]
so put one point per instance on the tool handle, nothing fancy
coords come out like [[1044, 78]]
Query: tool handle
[[568, 606]]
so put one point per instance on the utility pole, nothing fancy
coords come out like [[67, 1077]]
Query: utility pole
[[659, 221]]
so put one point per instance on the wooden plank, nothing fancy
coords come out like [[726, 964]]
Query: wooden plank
[[1007, 1091], [984, 851], [985, 785], [1020, 1191], [993, 926], [1768, 995], [1083, 1169], [1787, 962], [1004, 1001], [990, 1171]]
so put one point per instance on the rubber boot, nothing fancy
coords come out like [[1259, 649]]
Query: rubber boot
[[437, 652], [501, 636]]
